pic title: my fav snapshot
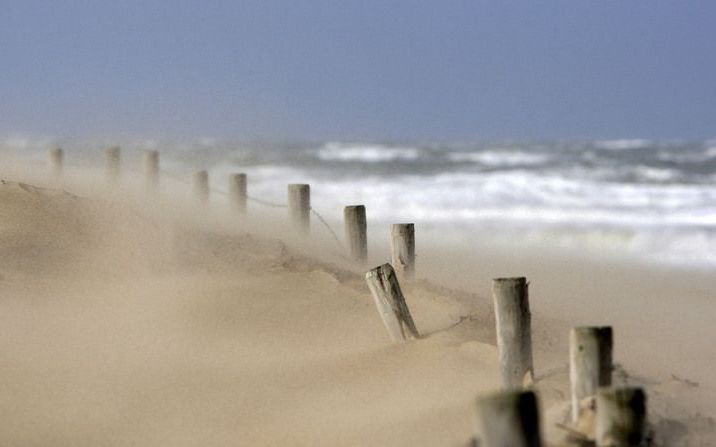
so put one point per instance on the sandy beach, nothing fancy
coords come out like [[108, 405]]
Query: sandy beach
[[357, 223], [135, 320]]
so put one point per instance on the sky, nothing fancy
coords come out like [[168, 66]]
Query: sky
[[363, 69]]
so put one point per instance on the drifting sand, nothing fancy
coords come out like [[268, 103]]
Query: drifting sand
[[127, 323]]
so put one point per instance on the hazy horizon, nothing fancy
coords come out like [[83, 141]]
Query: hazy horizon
[[279, 70]]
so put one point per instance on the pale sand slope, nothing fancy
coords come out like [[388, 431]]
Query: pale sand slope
[[116, 331]]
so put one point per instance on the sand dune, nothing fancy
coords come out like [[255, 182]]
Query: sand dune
[[126, 324]]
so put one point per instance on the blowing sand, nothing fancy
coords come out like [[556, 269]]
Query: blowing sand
[[124, 322]]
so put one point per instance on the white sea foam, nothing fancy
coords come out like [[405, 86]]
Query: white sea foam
[[656, 174], [523, 197], [498, 157], [620, 145], [369, 153], [687, 156]]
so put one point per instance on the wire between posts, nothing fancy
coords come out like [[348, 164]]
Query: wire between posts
[[264, 203], [328, 227]]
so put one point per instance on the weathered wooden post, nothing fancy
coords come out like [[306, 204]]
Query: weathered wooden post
[[389, 300], [201, 187], [356, 232], [151, 170], [509, 419], [621, 417], [590, 364], [56, 159], [112, 157], [237, 192], [402, 248], [513, 324], [299, 206]]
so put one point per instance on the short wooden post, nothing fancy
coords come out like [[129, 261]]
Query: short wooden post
[[112, 157], [590, 364], [621, 417], [299, 206], [201, 187], [402, 248], [237, 192], [151, 170], [389, 300], [513, 324], [509, 419], [56, 158], [356, 232]]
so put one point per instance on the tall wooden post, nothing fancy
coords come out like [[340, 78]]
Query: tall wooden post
[[356, 232], [56, 158], [151, 170], [509, 419], [590, 364], [621, 417], [112, 157], [299, 206], [389, 300], [513, 325], [237, 192], [201, 187], [402, 248]]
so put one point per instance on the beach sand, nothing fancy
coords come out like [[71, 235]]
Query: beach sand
[[126, 322]]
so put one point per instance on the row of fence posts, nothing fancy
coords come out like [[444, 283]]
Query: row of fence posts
[[506, 418], [511, 417], [298, 204]]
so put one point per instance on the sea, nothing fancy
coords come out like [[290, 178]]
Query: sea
[[653, 201]]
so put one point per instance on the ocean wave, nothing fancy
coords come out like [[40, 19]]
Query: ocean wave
[[624, 144], [498, 158], [706, 154], [367, 153], [522, 197], [652, 174]]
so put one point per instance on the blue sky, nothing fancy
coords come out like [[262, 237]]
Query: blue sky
[[364, 69]]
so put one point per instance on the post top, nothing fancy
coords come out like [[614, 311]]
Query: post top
[[376, 271], [517, 279]]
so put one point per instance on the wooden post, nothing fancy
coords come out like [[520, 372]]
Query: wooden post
[[621, 417], [513, 325], [509, 419], [590, 364], [389, 300], [112, 163], [56, 159], [201, 187], [356, 232], [237, 192], [299, 206], [151, 170], [402, 248]]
